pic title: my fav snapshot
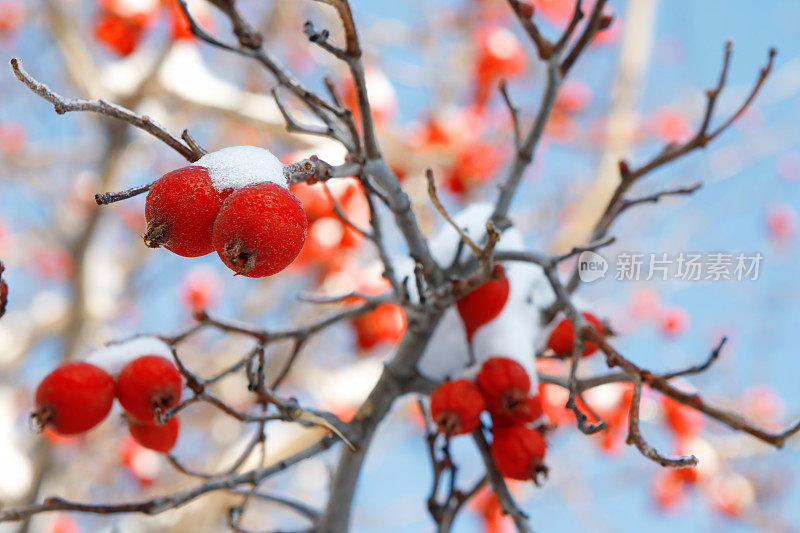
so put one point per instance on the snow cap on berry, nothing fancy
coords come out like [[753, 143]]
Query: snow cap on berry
[[114, 357], [237, 166]]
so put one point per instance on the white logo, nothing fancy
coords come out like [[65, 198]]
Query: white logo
[[591, 266]]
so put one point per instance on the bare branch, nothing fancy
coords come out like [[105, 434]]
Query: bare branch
[[442, 211], [524, 12], [64, 105], [514, 111], [589, 31], [159, 504], [628, 176], [697, 369], [635, 435]]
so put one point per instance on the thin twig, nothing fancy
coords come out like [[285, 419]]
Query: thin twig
[[64, 105]]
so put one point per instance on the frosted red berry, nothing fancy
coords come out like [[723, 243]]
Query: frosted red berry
[[483, 304], [148, 384], [159, 438], [518, 452], [73, 398], [260, 230], [456, 407], [180, 210], [562, 337], [506, 386]]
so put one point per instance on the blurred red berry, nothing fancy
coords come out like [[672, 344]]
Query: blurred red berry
[[119, 33], [562, 338], [13, 137], [684, 421], [456, 407], [668, 489], [385, 323], [670, 125], [154, 437], [732, 494], [506, 386], [200, 289], [673, 321], [518, 452], [781, 222]]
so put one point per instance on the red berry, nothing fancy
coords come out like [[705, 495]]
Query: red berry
[[669, 488], [673, 321], [518, 452], [505, 385], [180, 210], [159, 438], [684, 421], [456, 407], [260, 230], [563, 336], [483, 304], [120, 33], [385, 323], [146, 384], [74, 398]]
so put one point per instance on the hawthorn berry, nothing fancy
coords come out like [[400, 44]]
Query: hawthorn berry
[[385, 323], [260, 230], [118, 32], [562, 337], [518, 452], [483, 304], [684, 421], [160, 438], [148, 384], [73, 398], [673, 321], [506, 386], [180, 210], [456, 407]]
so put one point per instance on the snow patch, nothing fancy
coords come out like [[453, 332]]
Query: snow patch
[[514, 333], [114, 357], [237, 166]]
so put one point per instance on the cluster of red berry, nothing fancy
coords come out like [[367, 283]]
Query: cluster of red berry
[[503, 388], [257, 230], [77, 396]]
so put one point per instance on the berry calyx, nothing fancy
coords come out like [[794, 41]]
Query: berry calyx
[[260, 230], [506, 386], [148, 385], [483, 304], [562, 337], [73, 398], [159, 438], [518, 452], [180, 210], [456, 407]]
